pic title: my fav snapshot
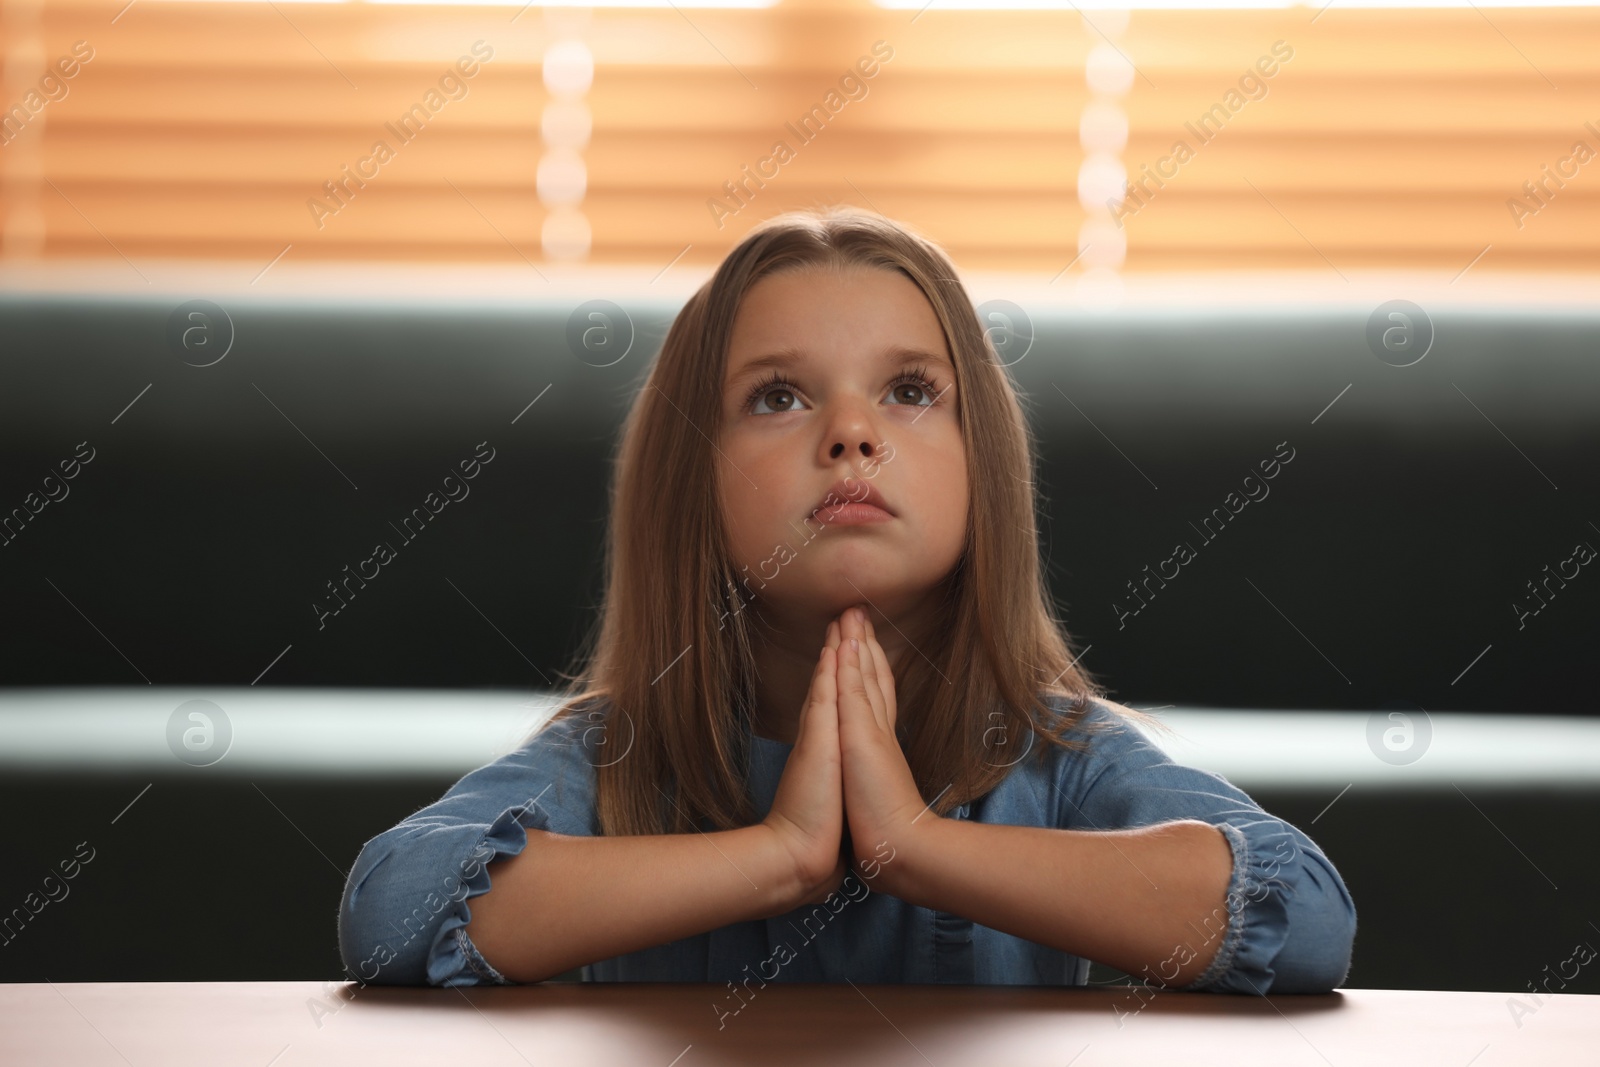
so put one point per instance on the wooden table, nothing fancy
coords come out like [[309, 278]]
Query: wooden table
[[285, 1024]]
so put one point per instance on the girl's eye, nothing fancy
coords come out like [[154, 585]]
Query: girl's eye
[[768, 387], [918, 381], [913, 382]]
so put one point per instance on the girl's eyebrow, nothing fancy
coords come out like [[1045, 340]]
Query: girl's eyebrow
[[893, 356]]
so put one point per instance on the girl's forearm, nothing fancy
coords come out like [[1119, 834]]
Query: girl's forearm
[[1149, 901], [565, 902]]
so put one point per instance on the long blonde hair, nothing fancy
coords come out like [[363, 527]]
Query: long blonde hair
[[669, 675]]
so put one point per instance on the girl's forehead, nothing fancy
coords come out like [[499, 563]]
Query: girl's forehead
[[837, 275], [859, 301]]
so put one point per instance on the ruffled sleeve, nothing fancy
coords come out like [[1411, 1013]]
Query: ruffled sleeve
[[1289, 923], [404, 913]]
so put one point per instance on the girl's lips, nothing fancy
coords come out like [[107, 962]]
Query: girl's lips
[[851, 492], [852, 514]]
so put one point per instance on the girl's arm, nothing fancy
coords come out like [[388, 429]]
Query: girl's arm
[[568, 901], [508, 853], [1150, 902], [1128, 875]]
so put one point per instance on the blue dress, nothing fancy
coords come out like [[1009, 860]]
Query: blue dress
[[1290, 924]]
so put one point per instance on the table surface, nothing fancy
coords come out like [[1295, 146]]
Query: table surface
[[285, 1024]]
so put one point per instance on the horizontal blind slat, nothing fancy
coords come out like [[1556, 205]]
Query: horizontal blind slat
[[1391, 137]]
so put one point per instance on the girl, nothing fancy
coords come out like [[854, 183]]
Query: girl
[[827, 450]]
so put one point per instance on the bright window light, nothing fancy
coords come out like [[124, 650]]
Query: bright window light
[[525, 3], [589, 3], [1205, 5], [560, 3]]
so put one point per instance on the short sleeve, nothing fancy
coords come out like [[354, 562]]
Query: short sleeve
[[1290, 922], [404, 913]]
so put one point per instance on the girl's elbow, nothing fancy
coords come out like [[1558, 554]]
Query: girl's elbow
[[1318, 962], [1300, 941], [361, 952], [1319, 976], [1317, 955]]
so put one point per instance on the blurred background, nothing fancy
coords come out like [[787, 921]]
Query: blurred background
[[271, 272]]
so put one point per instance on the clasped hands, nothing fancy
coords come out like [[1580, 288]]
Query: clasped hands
[[847, 797]]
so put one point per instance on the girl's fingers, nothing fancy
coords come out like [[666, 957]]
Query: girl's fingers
[[881, 672], [885, 678], [869, 674], [828, 692], [861, 663], [821, 677]]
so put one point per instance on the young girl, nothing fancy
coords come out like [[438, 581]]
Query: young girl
[[831, 728]]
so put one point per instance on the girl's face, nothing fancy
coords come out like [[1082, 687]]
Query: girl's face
[[847, 403]]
